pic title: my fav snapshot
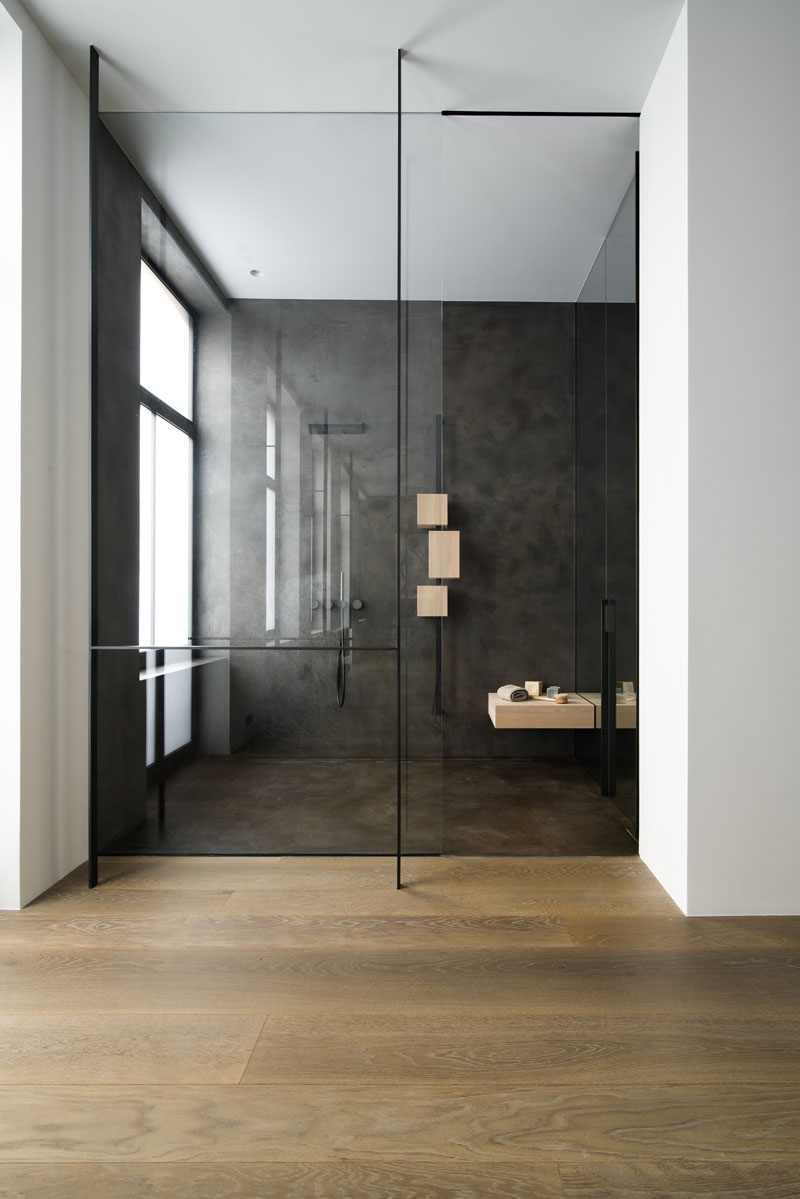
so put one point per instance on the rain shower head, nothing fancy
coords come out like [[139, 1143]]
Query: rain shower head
[[337, 428]]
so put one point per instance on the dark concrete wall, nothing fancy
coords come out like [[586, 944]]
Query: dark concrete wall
[[509, 472]]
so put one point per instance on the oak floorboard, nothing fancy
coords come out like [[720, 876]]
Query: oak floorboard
[[256, 1123], [518, 898], [698, 932], [284, 1180], [103, 1048], [515, 1049], [63, 903], [682, 1180], [213, 979], [314, 932]]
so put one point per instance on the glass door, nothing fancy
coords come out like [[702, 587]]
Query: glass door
[[265, 413]]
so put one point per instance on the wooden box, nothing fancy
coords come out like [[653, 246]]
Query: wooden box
[[431, 601], [431, 511], [444, 554]]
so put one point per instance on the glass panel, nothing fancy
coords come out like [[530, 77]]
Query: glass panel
[[279, 528], [173, 535], [270, 559], [421, 637], [166, 348], [146, 524], [275, 766], [529, 203], [177, 699], [606, 496]]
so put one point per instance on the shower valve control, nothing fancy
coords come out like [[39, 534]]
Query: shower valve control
[[358, 605]]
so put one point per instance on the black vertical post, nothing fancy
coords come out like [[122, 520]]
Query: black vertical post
[[94, 136], [636, 604], [608, 699], [398, 597]]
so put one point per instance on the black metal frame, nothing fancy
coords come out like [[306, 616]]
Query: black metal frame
[[94, 152], [398, 596]]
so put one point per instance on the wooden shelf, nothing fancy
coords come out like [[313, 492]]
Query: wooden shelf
[[577, 713], [626, 713], [582, 711]]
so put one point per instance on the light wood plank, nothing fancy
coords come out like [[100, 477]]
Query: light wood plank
[[432, 600], [626, 711], [245, 979], [518, 1048], [153, 1047], [454, 899], [540, 713], [444, 552], [697, 932], [362, 932], [423, 1179], [254, 873], [682, 1180], [431, 509], [252, 1124]]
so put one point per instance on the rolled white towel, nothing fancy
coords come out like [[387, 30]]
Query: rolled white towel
[[513, 692]]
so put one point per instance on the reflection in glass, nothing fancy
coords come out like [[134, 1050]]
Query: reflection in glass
[[172, 544], [165, 346]]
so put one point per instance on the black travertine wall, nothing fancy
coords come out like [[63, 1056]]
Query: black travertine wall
[[509, 473]]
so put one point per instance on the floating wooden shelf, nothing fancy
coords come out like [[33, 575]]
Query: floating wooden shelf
[[432, 601], [539, 713], [431, 511], [444, 554], [626, 713], [582, 711]]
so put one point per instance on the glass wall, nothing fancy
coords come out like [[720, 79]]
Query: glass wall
[[293, 656], [606, 458], [269, 405]]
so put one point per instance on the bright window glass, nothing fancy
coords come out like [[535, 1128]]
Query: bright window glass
[[271, 442], [166, 343], [146, 513], [172, 558], [270, 558]]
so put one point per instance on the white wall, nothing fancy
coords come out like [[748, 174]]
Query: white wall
[[663, 449], [10, 390], [720, 260], [744, 443], [48, 800]]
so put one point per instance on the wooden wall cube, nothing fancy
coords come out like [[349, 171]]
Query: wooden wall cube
[[444, 554], [432, 601], [431, 510]]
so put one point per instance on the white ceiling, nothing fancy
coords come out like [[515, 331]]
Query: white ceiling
[[521, 207], [495, 208], [340, 55]]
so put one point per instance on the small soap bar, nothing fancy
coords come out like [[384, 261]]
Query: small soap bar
[[533, 689], [552, 692]]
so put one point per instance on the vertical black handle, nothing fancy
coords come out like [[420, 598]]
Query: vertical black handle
[[608, 699]]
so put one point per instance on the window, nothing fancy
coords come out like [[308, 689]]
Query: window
[[166, 434]]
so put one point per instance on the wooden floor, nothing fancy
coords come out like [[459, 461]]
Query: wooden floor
[[289, 1028]]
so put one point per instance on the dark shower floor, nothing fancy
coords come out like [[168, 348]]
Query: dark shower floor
[[256, 805]]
